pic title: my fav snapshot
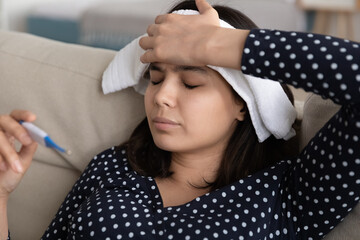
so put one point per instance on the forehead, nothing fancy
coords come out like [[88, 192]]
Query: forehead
[[162, 67]]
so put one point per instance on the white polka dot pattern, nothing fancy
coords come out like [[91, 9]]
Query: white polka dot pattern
[[324, 182], [301, 198]]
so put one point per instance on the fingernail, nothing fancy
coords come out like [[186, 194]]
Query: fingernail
[[26, 139], [18, 167]]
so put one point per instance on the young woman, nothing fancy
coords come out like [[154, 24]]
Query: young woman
[[195, 168]]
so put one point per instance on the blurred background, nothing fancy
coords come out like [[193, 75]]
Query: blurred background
[[113, 23]]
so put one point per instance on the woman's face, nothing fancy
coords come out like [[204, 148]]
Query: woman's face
[[190, 109]]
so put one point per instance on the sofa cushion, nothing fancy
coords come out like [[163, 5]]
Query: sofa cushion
[[60, 83], [316, 112], [34, 203]]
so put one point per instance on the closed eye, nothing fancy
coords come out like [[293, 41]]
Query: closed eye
[[155, 82], [190, 86]]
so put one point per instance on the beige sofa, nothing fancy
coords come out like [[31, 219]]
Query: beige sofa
[[61, 83]]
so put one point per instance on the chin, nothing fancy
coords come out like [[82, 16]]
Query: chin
[[168, 143], [165, 146]]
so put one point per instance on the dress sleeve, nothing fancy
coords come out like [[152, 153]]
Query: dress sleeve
[[90, 180], [323, 183]]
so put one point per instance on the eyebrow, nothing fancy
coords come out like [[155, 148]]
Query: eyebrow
[[179, 68]]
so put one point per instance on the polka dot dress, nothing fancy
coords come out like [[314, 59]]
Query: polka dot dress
[[300, 198]]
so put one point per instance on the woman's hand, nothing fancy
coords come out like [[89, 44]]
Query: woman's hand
[[181, 39], [193, 40], [13, 164]]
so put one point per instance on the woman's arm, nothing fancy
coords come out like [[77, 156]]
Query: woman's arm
[[3, 219], [323, 184], [13, 163], [325, 65]]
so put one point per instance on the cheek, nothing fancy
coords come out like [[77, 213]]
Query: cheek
[[211, 114], [148, 100]]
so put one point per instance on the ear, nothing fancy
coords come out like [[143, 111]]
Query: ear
[[240, 115], [240, 109]]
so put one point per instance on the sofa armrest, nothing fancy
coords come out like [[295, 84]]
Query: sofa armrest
[[61, 84], [316, 112]]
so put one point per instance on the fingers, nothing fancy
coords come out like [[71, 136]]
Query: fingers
[[147, 57], [3, 165], [11, 127], [9, 154], [173, 35], [161, 18], [27, 153], [203, 6], [15, 129], [24, 115], [151, 30], [146, 43], [152, 54]]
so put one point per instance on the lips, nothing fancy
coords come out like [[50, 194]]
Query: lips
[[164, 123], [164, 120]]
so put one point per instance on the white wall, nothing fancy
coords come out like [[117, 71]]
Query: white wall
[[1, 15], [15, 12], [272, 14]]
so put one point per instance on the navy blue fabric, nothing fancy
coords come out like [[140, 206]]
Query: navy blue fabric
[[300, 198]]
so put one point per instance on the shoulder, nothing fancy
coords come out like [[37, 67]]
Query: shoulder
[[114, 158], [111, 153]]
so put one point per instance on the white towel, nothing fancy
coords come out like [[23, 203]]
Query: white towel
[[270, 109]]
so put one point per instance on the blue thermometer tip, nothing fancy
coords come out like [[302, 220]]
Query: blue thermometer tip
[[50, 143], [42, 137]]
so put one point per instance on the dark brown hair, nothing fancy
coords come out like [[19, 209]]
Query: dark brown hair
[[244, 154]]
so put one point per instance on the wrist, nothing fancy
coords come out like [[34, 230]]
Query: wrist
[[226, 47], [3, 200], [3, 205], [3, 218]]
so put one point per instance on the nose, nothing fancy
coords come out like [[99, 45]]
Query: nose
[[165, 95]]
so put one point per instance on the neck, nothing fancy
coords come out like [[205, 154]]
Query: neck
[[195, 169], [191, 173]]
